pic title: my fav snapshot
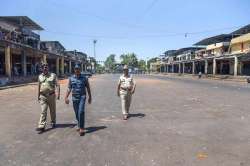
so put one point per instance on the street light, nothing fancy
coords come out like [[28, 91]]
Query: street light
[[94, 42]]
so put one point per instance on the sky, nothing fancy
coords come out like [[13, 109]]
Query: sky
[[145, 27]]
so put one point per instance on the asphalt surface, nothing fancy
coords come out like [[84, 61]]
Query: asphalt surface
[[175, 122]]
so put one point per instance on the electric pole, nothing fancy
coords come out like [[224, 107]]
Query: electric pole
[[94, 42]]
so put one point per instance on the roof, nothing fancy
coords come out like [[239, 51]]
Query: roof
[[169, 52], [57, 42], [22, 21], [243, 30], [215, 39], [77, 52], [181, 50]]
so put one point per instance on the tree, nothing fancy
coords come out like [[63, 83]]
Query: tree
[[142, 65], [152, 60], [129, 59], [110, 62], [99, 68]]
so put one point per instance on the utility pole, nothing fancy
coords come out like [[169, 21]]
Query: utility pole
[[94, 42]]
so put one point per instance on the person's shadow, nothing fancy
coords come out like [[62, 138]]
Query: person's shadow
[[60, 125], [94, 129], [137, 115], [65, 125], [72, 125]]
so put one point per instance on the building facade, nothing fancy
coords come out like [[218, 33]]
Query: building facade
[[226, 54], [22, 52]]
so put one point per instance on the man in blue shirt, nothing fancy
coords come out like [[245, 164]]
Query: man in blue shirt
[[78, 84]]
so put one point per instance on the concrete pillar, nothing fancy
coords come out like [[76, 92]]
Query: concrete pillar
[[44, 59], [206, 66], [24, 63], [85, 66], [214, 66], [179, 67], [235, 66], [70, 71], [193, 68], [167, 68], [172, 68], [183, 68], [58, 66], [62, 65], [82, 66], [8, 61]]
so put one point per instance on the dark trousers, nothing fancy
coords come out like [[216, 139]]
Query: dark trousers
[[79, 108]]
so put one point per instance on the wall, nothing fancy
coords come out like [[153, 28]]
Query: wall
[[236, 48], [246, 46]]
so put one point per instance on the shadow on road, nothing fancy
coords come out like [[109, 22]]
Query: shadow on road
[[62, 125], [65, 125], [138, 115], [71, 125], [94, 129]]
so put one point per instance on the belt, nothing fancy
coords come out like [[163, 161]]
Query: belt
[[126, 89], [51, 93], [48, 94]]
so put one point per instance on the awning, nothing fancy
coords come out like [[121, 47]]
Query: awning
[[215, 39], [23, 21]]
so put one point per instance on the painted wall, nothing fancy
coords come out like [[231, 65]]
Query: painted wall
[[237, 48]]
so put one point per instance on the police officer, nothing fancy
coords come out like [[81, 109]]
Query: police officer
[[47, 85], [126, 87], [78, 84]]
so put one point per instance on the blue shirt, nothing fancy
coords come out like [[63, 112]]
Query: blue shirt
[[78, 86]]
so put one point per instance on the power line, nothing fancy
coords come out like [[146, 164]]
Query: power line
[[184, 34], [149, 7]]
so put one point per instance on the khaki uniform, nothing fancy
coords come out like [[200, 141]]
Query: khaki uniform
[[47, 98], [126, 85]]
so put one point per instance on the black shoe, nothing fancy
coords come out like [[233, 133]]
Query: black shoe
[[40, 129]]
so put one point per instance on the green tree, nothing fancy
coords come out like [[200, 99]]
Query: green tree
[[142, 64], [110, 62], [152, 60], [99, 68], [129, 59]]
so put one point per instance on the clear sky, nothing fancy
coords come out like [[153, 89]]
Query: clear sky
[[145, 27]]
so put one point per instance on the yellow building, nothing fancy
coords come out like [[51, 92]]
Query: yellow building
[[240, 44], [217, 49]]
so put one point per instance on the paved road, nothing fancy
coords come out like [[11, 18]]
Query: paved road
[[175, 121]]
